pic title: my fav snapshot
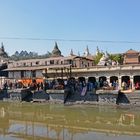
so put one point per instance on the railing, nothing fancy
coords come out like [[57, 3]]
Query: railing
[[102, 68]]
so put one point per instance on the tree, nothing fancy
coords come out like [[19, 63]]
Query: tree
[[98, 57], [116, 57], [119, 58]]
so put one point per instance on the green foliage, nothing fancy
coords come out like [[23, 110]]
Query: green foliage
[[119, 58], [116, 57], [98, 57]]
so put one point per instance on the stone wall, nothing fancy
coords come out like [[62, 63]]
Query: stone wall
[[132, 98], [107, 98]]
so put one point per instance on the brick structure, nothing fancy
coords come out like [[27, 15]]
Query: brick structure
[[35, 67], [131, 57]]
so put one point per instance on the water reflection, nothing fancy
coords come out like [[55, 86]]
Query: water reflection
[[43, 121]]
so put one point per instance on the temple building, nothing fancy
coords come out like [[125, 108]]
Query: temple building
[[105, 61], [131, 57], [87, 54], [79, 67], [3, 54], [3, 61], [56, 52], [37, 68]]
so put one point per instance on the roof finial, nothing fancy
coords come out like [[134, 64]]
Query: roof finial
[[78, 53], [56, 46], [56, 52], [87, 51], [2, 46], [71, 52], [97, 50]]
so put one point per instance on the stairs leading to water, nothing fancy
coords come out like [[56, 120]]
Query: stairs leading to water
[[40, 96], [134, 98], [131, 98], [3, 94], [76, 96]]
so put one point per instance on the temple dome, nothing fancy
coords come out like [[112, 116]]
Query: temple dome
[[131, 51], [3, 54], [105, 60], [86, 53], [56, 52]]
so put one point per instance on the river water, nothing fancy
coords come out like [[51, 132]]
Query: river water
[[30, 121]]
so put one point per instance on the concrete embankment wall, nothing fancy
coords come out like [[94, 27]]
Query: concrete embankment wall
[[15, 95], [132, 98], [107, 98], [94, 98], [75, 97], [3, 94], [18, 94]]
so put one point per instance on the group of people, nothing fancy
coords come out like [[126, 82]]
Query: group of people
[[126, 85], [11, 85], [15, 85], [104, 84], [74, 84]]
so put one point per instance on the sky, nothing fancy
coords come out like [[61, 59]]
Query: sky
[[35, 25]]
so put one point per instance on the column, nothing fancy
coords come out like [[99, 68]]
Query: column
[[86, 79], [119, 82], [108, 80], [97, 81], [132, 81]]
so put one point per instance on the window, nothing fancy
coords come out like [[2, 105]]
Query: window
[[37, 62], [57, 62], [51, 62], [24, 64], [34, 73], [22, 74], [45, 62], [61, 62], [70, 62]]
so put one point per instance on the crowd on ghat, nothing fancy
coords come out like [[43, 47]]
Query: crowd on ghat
[[75, 85]]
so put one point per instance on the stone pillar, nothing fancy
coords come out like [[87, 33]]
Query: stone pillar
[[132, 82], [108, 80], [86, 79], [119, 83], [97, 80]]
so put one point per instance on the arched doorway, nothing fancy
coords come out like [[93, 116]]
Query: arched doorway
[[137, 82], [92, 79], [72, 78], [113, 79], [126, 84], [82, 82], [114, 82], [60, 81], [102, 80], [125, 79], [136, 79], [81, 79], [91, 83]]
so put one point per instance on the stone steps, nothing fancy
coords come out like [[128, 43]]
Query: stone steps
[[134, 98], [40, 95]]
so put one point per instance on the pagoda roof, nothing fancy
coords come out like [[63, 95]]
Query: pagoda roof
[[131, 51]]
